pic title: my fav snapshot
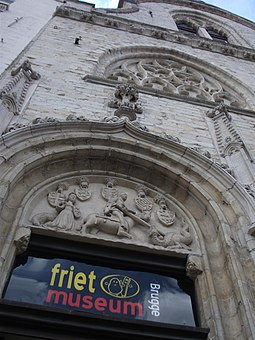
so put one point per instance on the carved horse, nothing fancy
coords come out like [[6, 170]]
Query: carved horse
[[107, 225]]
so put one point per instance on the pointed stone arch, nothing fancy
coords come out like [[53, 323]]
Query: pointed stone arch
[[127, 65], [219, 209]]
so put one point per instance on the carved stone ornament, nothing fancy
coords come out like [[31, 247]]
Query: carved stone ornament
[[74, 118], [107, 210], [22, 239], [112, 119], [202, 151], [109, 191], [82, 192], [172, 138], [138, 125], [168, 75], [165, 216], [228, 139], [126, 101], [13, 94], [250, 190], [14, 127], [172, 239], [40, 120], [193, 267], [57, 199], [143, 203]]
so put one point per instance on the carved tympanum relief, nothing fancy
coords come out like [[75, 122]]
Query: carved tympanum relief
[[174, 77], [113, 209]]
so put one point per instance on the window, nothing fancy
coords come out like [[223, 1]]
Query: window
[[217, 35], [186, 28], [64, 288]]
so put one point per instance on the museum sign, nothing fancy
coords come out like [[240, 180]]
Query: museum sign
[[66, 284]]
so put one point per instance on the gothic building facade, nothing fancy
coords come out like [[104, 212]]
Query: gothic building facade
[[127, 185]]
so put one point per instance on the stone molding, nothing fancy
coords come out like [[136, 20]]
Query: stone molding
[[155, 32]]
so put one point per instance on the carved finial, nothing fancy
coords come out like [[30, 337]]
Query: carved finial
[[219, 109], [26, 68]]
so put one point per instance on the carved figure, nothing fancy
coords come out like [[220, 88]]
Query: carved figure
[[116, 208], [166, 216], [173, 240], [66, 218], [83, 193], [107, 224], [114, 220]]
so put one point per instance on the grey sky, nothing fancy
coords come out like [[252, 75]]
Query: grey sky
[[244, 8]]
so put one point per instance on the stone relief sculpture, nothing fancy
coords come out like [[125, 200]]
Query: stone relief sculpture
[[57, 199], [66, 218], [126, 101], [113, 221], [172, 239], [143, 203], [82, 192], [169, 75], [113, 212], [165, 216]]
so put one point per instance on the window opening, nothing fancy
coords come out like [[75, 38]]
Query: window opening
[[186, 28]]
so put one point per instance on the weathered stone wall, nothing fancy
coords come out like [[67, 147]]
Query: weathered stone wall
[[217, 202], [62, 90]]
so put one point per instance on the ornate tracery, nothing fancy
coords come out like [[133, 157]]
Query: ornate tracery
[[174, 77]]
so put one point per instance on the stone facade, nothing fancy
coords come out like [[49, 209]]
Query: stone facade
[[124, 110]]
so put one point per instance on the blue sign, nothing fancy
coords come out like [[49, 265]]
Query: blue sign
[[100, 290]]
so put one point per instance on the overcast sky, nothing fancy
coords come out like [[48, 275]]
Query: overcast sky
[[244, 8]]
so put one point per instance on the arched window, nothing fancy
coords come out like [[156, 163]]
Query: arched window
[[217, 35], [193, 23], [186, 27]]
